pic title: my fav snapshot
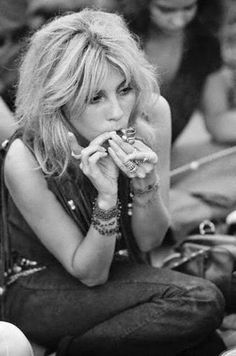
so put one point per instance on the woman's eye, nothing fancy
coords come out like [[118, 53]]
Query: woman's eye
[[95, 99], [191, 8], [125, 90]]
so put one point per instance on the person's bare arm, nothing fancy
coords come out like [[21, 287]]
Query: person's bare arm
[[7, 122], [220, 120], [86, 257], [151, 218]]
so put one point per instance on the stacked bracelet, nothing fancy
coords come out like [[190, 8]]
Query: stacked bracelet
[[106, 214], [106, 222], [105, 229]]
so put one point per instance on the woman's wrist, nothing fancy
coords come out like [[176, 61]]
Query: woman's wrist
[[107, 201], [148, 184], [143, 194], [106, 221], [152, 187]]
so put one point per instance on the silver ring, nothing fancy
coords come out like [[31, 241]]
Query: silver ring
[[131, 166], [131, 141], [75, 155], [129, 135], [137, 162]]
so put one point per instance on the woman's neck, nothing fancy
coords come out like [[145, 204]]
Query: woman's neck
[[165, 52], [155, 33]]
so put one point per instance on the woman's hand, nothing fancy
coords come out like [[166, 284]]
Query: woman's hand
[[136, 160], [96, 164]]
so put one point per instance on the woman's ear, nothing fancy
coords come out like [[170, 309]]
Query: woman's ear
[[74, 146]]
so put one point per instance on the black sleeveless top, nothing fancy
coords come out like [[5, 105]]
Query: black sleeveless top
[[201, 57], [75, 190]]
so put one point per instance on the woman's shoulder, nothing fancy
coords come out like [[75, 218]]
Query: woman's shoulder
[[157, 112], [19, 162], [155, 122], [18, 154]]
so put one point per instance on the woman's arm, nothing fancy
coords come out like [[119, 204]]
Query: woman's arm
[[7, 122], [220, 120], [150, 219], [86, 257]]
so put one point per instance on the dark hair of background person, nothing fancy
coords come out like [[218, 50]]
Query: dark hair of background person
[[209, 16], [18, 20]]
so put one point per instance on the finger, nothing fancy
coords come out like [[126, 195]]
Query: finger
[[115, 158], [125, 146], [89, 168], [90, 150], [119, 150], [99, 140], [123, 168], [140, 145], [93, 160], [144, 157]]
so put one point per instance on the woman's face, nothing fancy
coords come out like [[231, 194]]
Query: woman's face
[[110, 108], [172, 16]]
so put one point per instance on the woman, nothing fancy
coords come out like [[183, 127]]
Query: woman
[[86, 206]]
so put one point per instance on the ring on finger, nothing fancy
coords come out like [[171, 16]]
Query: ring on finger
[[137, 162], [131, 166], [129, 135]]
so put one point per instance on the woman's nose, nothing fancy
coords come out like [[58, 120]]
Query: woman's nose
[[115, 110]]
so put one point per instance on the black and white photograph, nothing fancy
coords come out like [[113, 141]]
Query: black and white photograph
[[118, 177]]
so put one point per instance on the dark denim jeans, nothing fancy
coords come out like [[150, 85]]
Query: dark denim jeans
[[140, 311]]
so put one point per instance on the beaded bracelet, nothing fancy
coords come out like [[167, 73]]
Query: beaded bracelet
[[108, 214], [151, 187], [106, 222], [106, 229]]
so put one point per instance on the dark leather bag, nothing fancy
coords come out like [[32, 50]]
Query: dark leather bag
[[207, 256]]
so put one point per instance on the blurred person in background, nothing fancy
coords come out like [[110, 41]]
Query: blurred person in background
[[13, 27], [182, 39], [229, 52], [19, 18]]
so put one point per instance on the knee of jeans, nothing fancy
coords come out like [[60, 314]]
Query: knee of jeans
[[210, 303], [13, 342]]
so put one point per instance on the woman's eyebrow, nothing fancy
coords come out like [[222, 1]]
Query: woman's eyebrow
[[122, 84], [167, 8]]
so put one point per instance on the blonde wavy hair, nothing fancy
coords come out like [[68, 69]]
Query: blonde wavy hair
[[66, 62]]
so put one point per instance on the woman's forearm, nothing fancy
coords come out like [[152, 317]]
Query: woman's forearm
[[150, 217], [93, 257]]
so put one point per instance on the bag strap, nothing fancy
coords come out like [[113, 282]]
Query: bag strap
[[5, 248], [212, 240]]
